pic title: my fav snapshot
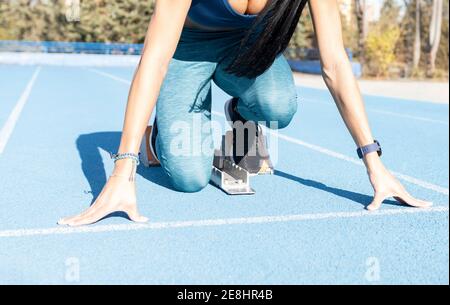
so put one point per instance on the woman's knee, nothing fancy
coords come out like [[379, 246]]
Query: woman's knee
[[189, 176], [190, 183], [279, 107]]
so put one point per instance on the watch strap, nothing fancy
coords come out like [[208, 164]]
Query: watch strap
[[374, 147]]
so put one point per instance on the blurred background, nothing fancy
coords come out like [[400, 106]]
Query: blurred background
[[386, 38]]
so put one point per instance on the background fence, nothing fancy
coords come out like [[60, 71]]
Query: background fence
[[304, 60], [71, 47]]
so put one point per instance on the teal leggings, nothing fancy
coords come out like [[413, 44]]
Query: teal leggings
[[185, 143]]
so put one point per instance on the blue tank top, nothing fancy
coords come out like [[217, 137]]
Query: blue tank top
[[218, 14]]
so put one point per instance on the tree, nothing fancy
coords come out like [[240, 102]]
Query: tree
[[434, 35], [442, 58], [389, 15], [417, 37], [303, 36], [361, 20], [381, 41], [102, 21], [422, 46]]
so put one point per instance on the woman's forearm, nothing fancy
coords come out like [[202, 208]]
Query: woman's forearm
[[344, 88], [160, 44], [141, 102], [142, 98], [338, 75]]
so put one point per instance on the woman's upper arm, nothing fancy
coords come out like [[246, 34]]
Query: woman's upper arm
[[164, 31], [328, 29]]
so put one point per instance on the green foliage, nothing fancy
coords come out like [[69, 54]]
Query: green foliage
[[127, 21], [443, 53], [100, 20], [405, 45], [37, 22], [350, 34], [389, 15], [115, 21], [4, 35], [303, 36], [382, 40], [380, 50]]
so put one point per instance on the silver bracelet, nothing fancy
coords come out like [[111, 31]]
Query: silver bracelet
[[117, 157], [136, 162]]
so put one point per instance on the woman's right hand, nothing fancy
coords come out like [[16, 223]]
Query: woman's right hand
[[118, 195]]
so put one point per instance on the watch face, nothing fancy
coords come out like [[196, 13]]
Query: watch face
[[360, 153], [380, 151]]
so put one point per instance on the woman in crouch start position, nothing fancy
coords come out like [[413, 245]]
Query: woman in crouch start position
[[238, 44]]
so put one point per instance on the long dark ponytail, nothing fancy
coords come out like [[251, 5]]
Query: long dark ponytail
[[267, 38]]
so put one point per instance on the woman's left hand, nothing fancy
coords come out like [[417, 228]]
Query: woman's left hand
[[386, 185]]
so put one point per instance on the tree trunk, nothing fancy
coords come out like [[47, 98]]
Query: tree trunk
[[361, 18], [417, 37], [435, 35]]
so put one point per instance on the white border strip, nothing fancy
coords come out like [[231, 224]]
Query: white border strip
[[412, 180], [8, 128], [214, 222]]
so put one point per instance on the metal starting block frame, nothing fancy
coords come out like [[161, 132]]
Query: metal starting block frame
[[230, 177]]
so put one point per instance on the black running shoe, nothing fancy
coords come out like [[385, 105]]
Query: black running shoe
[[231, 112], [250, 152]]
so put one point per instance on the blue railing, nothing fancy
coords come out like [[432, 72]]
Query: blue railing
[[111, 48], [309, 62], [70, 47]]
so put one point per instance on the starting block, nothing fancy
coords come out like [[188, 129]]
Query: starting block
[[231, 177]]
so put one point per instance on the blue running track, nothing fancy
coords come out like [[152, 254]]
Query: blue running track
[[306, 224]]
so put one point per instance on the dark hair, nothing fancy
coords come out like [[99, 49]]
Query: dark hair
[[268, 37]]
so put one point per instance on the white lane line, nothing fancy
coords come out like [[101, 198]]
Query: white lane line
[[215, 222], [407, 116], [8, 128], [400, 115], [319, 149], [412, 180], [116, 78]]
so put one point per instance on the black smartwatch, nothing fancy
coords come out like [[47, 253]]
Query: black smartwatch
[[375, 147]]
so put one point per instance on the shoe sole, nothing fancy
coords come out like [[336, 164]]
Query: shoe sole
[[147, 154]]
